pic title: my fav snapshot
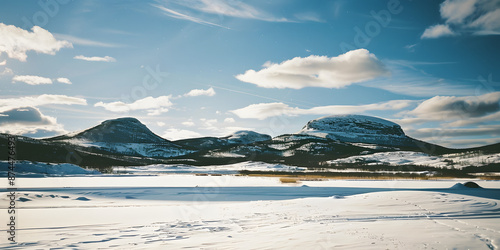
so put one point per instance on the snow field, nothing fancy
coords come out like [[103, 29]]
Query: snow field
[[236, 212]]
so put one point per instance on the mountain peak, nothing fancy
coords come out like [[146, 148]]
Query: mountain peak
[[359, 124], [122, 119], [120, 130]]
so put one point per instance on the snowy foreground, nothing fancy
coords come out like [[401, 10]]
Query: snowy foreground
[[177, 211]]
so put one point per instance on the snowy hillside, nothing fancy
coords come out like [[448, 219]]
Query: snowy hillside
[[29, 169], [247, 137], [458, 160]]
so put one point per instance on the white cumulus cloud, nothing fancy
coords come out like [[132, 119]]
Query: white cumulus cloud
[[154, 106], [63, 80], [318, 71], [199, 92], [438, 30], [15, 42], [95, 58], [32, 80]]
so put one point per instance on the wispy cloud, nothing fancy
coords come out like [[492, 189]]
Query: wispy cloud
[[309, 17], [95, 58], [178, 15], [16, 42], [318, 71], [408, 78], [6, 71], [232, 8], [188, 123], [86, 42]]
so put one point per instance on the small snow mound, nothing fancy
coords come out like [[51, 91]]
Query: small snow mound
[[471, 184], [466, 185], [81, 198], [458, 186], [337, 197]]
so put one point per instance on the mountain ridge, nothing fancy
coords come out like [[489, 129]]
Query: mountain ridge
[[126, 141]]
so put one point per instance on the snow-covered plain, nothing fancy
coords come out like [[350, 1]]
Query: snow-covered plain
[[177, 211]]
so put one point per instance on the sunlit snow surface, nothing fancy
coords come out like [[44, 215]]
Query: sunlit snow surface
[[182, 211], [458, 160], [40, 169]]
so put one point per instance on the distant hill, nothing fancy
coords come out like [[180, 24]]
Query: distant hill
[[237, 138]]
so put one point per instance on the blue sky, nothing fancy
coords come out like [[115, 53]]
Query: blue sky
[[211, 67]]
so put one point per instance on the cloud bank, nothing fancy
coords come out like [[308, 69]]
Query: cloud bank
[[28, 120]]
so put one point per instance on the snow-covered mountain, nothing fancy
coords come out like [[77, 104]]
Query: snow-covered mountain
[[126, 136], [358, 129]]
